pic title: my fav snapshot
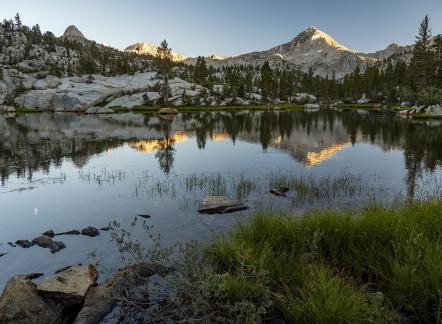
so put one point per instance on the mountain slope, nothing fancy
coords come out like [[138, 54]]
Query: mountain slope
[[316, 50], [144, 48]]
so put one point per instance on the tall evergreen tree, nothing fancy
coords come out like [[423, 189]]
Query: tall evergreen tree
[[422, 58], [266, 80], [163, 61], [17, 22]]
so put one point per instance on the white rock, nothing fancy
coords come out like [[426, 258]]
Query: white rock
[[48, 83], [363, 101], [7, 109], [312, 107], [131, 101], [434, 110], [99, 110]]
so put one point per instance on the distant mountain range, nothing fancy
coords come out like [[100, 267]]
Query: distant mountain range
[[310, 49]]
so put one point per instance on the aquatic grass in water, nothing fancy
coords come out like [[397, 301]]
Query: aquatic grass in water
[[103, 176], [328, 191]]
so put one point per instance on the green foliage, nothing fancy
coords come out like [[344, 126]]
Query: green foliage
[[327, 264]]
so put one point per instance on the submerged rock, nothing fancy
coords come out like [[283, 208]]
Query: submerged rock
[[73, 232], [280, 191], [24, 244], [3, 254], [69, 286], [21, 303], [90, 231], [220, 205]]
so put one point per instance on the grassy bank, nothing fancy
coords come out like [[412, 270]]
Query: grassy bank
[[368, 106], [376, 265], [151, 109], [426, 116]]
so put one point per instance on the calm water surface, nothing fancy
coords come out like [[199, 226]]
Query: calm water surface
[[65, 171]]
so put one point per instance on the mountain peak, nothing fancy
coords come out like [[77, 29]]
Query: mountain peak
[[313, 34], [73, 32]]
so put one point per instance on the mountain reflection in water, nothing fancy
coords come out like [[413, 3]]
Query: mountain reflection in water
[[30, 143]]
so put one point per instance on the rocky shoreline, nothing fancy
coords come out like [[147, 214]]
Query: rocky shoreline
[[71, 294]]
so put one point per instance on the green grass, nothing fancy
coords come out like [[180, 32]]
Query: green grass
[[368, 106], [426, 116], [374, 265], [151, 109], [20, 110]]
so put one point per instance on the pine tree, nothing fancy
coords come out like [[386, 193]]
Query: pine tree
[[266, 81], [437, 48], [163, 62], [17, 24], [422, 59]]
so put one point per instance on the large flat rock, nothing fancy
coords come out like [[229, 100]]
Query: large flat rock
[[220, 205], [70, 286]]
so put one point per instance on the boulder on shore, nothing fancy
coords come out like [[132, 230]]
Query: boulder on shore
[[168, 111], [101, 300], [312, 107], [21, 303], [70, 286], [220, 205], [434, 110]]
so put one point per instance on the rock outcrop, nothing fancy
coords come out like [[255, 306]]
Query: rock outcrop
[[78, 94], [72, 33]]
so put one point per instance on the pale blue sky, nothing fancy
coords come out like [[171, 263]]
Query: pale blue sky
[[231, 27]]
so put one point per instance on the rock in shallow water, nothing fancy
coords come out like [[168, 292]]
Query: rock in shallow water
[[90, 231], [220, 205], [24, 244], [20, 303], [49, 233], [280, 191], [69, 286], [73, 232], [47, 242]]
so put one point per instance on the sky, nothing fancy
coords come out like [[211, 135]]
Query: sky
[[230, 27]]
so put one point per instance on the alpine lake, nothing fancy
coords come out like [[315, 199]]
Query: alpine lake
[[65, 172]]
